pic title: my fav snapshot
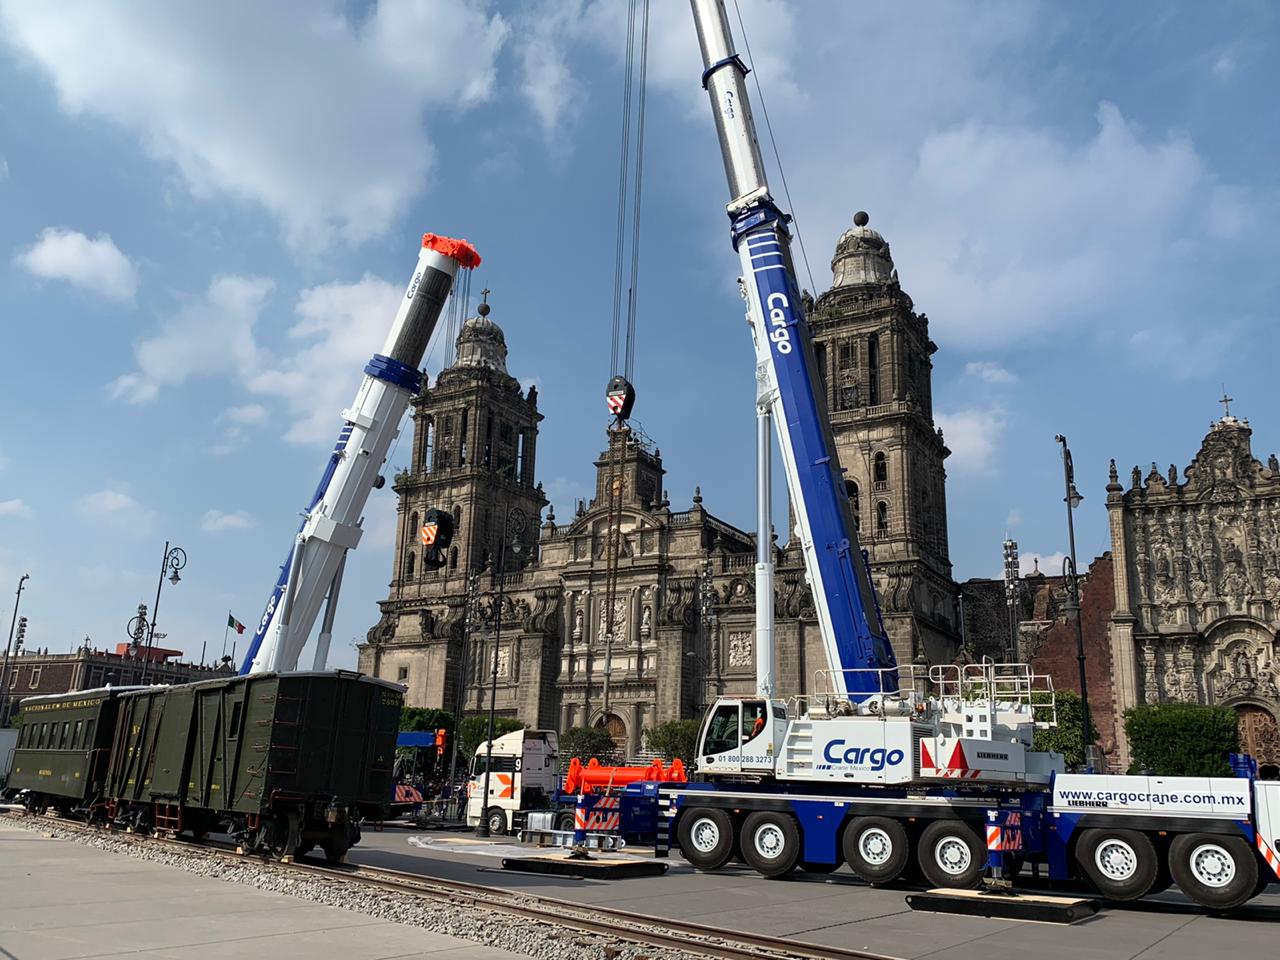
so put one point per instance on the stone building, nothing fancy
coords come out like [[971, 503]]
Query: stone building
[[1197, 585], [38, 673], [683, 599]]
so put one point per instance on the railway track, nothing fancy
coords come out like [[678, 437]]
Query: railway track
[[597, 921]]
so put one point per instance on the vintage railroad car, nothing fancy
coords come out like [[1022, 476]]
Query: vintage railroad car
[[283, 762], [63, 748]]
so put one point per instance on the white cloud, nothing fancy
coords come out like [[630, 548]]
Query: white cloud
[[208, 336], [95, 265], [1050, 564], [117, 508], [1224, 67], [311, 109], [989, 372], [973, 436], [15, 508], [547, 83], [339, 327], [250, 414], [4, 168], [217, 521], [1186, 355]]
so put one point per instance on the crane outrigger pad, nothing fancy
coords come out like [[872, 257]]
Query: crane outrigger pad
[[1005, 906], [596, 868]]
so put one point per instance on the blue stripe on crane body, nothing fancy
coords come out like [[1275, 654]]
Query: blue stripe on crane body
[[859, 644]]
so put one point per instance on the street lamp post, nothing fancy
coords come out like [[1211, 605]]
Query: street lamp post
[[4, 671], [468, 626], [175, 559], [1072, 499], [513, 528]]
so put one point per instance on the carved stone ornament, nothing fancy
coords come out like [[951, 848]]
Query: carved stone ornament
[[646, 622], [504, 661], [577, 624], [620, 605], [740, 654]]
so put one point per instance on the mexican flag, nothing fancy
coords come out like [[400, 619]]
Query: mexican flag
[[235, 624]]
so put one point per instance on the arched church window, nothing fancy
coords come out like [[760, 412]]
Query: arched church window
[[882, 518], [428, 441], [408, 566], [873, 369], [855, 502], [880, 471], [457, 519], [453, 558]]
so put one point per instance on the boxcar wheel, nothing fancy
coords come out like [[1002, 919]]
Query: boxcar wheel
[[876, 849], [337, 844], [1218, 872], [705, 836], [564, 821], [771, 843], [952, 855], [1122, 864]]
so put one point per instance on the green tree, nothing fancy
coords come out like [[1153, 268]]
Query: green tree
[[1065, 737], [473, 731], [675, 738], [585, 743], [425, 719], [1181, 739]]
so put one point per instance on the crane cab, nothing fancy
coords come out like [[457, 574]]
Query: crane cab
[[742, 735]]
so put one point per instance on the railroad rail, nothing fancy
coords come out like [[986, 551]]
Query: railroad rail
[[600, 921]]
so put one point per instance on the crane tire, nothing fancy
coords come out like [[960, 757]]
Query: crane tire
[[705, 836], [876, 848], [1121, 864], [771, 843], [1216, 871], [951, 854]]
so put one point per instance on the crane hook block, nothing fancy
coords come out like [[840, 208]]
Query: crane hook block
[[621, 397]]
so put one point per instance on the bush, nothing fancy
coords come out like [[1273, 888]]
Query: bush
[[1065, 737], [1181, 739], [425, 719], [675, 738], [585, 743], [474, 731]]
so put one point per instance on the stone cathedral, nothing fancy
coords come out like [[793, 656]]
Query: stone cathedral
[[679, 630], [1197, 585]]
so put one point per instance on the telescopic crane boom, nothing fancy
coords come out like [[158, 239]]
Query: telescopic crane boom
[[331, 523], [858, 651]]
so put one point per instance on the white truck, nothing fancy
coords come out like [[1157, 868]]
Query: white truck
[[523, 777]]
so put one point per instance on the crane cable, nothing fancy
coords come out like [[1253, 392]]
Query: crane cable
[[625, 288]]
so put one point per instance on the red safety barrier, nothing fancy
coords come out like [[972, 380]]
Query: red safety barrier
[[596, 778]]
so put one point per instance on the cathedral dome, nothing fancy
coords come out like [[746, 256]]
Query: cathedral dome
[[482, 344], [862, 256]]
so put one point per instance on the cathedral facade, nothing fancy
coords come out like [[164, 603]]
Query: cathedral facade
[[654, 623], [1197, 585]]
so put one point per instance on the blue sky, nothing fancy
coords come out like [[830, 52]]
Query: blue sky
[[207, 211]]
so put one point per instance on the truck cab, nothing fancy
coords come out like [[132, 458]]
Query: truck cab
[[523, 777], [742, 735]]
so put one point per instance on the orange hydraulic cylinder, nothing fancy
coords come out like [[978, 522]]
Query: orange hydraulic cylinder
[[596, 778]]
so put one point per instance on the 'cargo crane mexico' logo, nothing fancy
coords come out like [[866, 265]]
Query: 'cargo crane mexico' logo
[[876, 758]]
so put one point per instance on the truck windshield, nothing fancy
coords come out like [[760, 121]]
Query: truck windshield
[[501, 764], [722, 731]]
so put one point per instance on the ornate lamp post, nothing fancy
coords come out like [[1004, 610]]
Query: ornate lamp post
[[514, 528], [1072, 500], [175, 558], [468, 627], [4, 670]]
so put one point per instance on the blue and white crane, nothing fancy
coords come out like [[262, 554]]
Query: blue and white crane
[[331, 523], [878, 764]]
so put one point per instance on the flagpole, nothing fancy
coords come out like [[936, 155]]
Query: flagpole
[[225, 630]]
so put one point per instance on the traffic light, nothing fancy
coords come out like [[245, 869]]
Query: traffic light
[[440, 738], [435, 536], [22, 633]]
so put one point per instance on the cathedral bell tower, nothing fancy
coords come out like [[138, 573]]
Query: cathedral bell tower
[[474, 440], [874, 353]]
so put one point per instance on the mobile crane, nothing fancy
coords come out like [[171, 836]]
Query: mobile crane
[[883, 761], [331, 522]]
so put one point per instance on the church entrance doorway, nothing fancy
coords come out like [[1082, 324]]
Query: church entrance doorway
[[1259, 733], [617, 731]]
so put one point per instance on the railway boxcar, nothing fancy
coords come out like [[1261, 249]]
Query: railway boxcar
[[282, 761], [64, 743]]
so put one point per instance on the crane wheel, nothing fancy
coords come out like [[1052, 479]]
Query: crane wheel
[[876, 848], [771, 843], [705, 836], [1218, 872], [951, 854], [1121, 864]]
